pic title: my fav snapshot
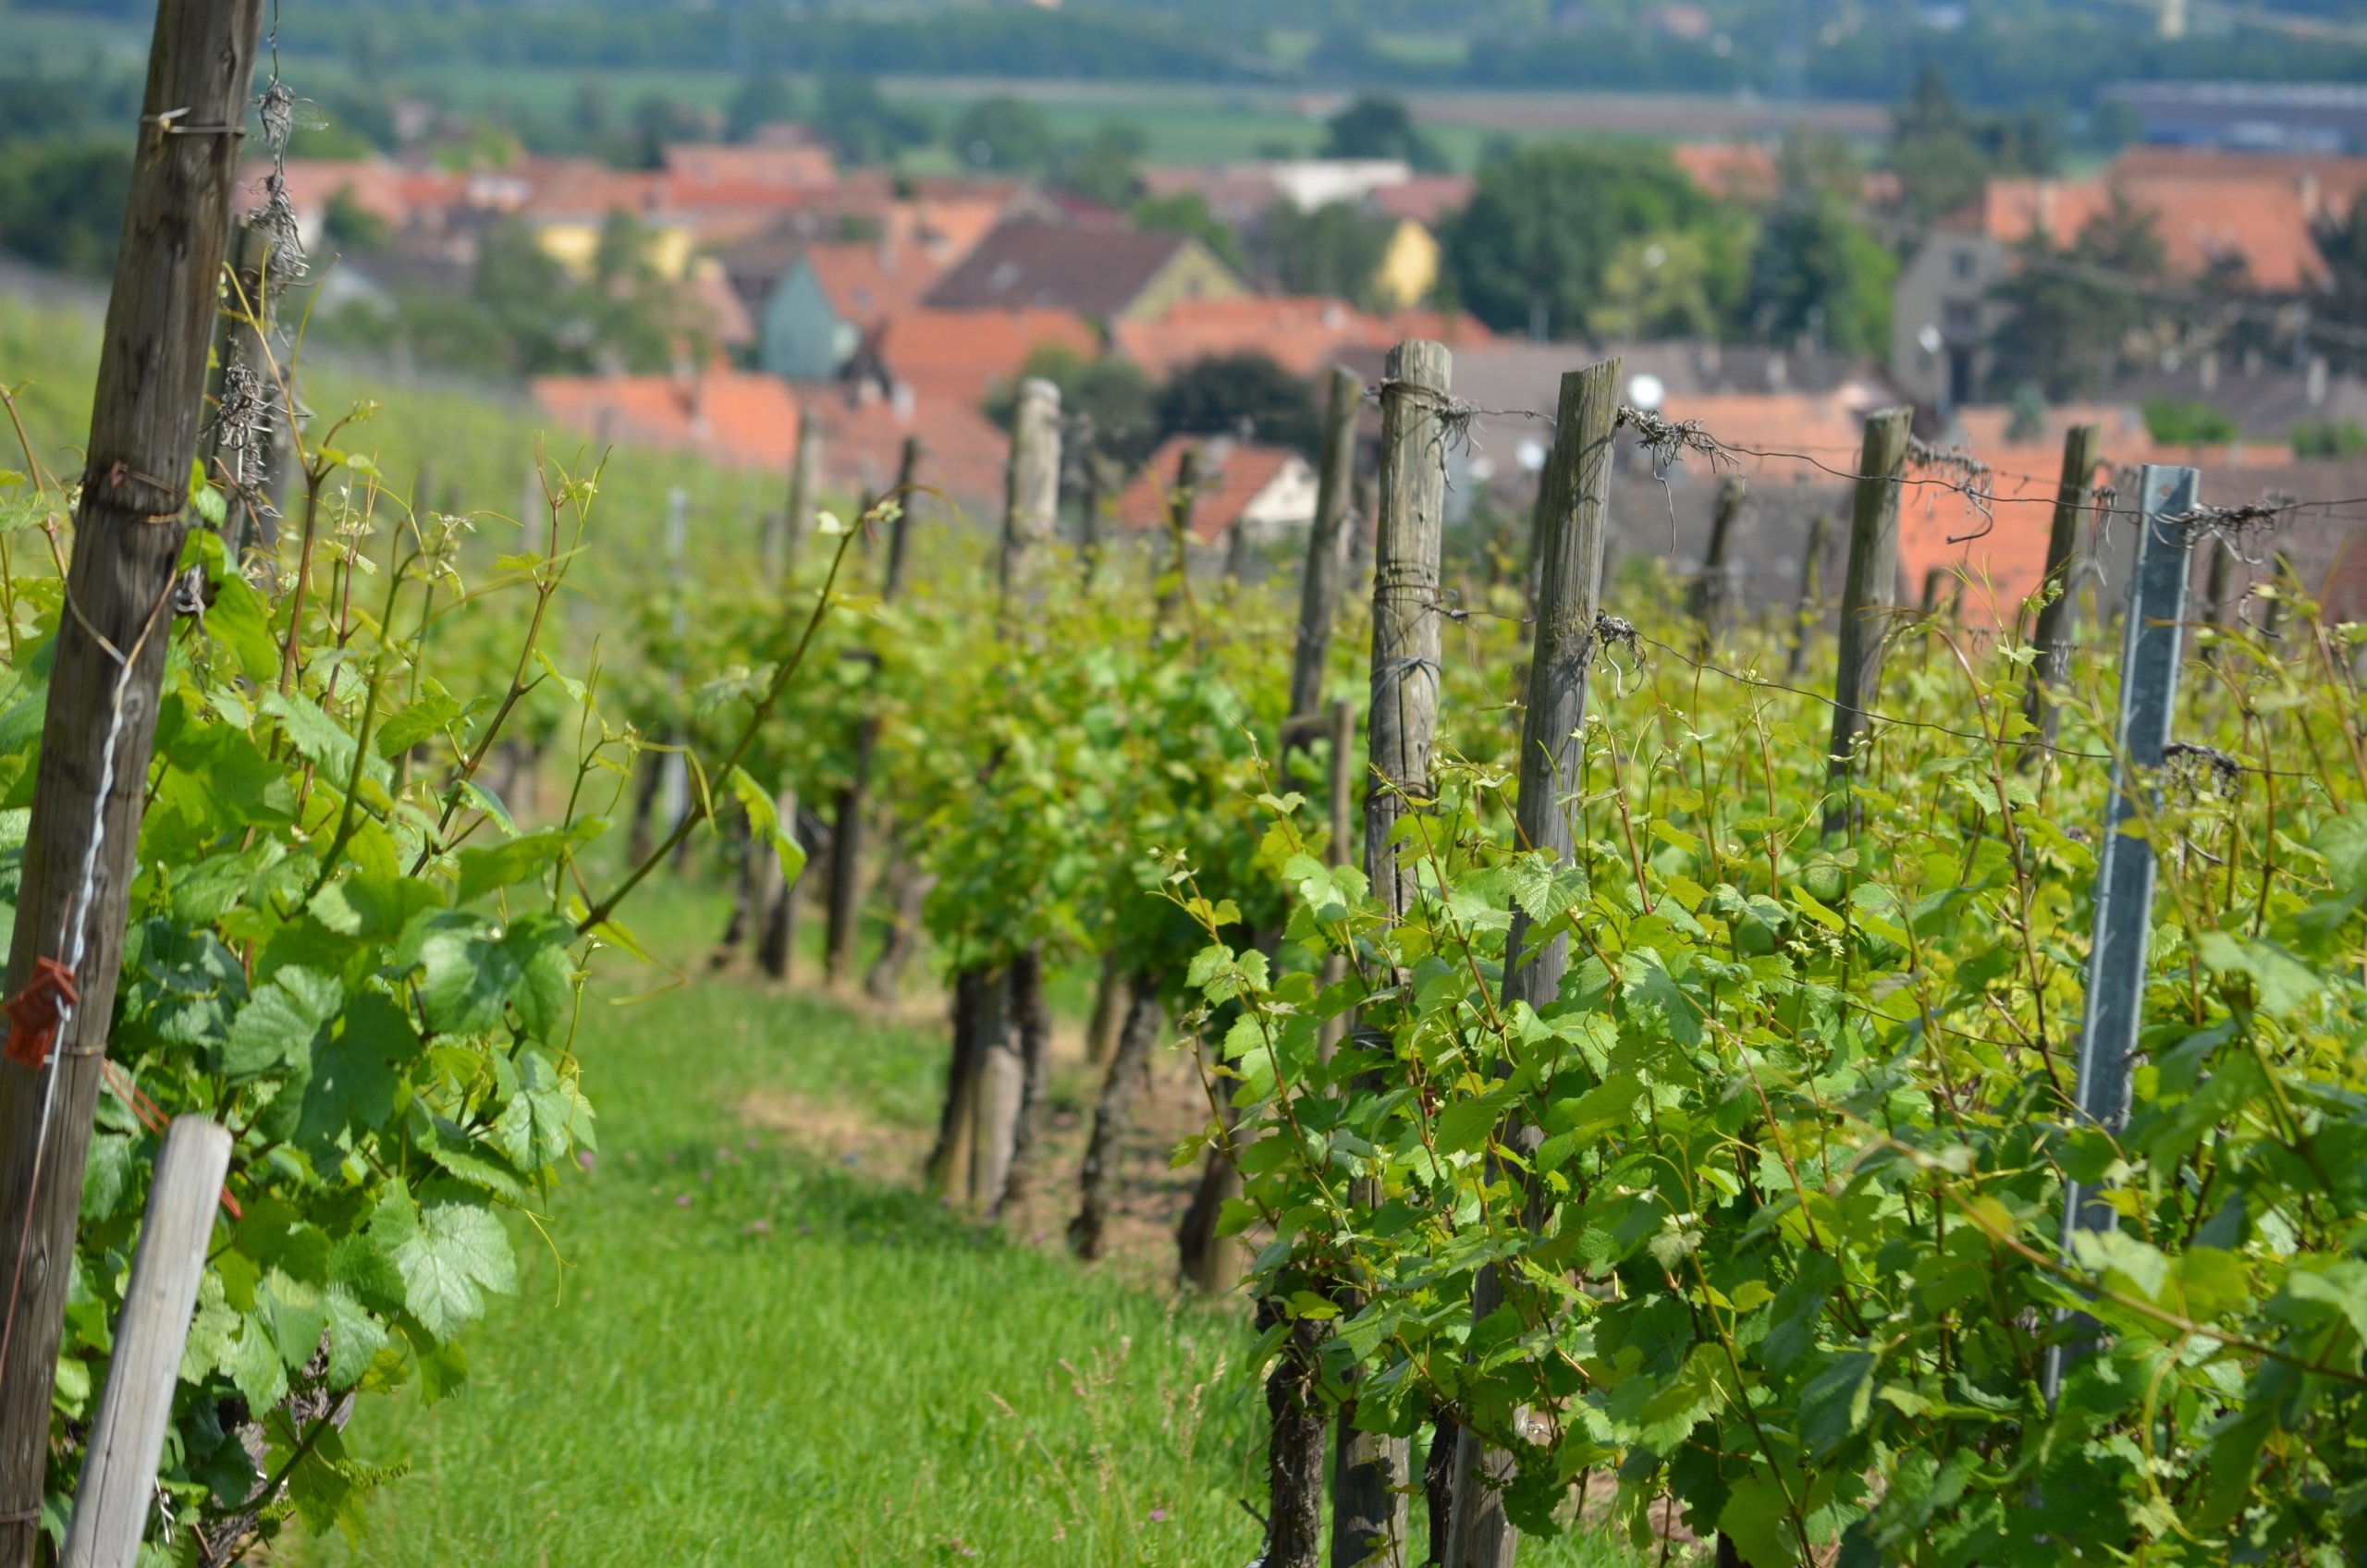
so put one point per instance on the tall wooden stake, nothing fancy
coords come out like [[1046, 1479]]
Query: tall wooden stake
[[845, 907], [1370, 1471], [1033, 493], [900, 532], [1576, 487], [1805, 613], [1710, 590], [118, 1484], [2124, 898], [2053, 634], [108, 665], [1327, 563], [798, 520], [1867, 597]]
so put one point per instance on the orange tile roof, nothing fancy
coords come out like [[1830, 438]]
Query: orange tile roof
[[867, 281], [736, 420], [1232, 475], [1428, 199], [1732, 171], [2201, 221], [962, 354], [2329, 185], [1302, 333], [962, 453], [1456, 329], [700, 173], [394, 193]]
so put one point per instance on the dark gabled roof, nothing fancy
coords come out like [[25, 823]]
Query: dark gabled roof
[[1095, 272]]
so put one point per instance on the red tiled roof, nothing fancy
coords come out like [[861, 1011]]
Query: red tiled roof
[[2201, 221], [963, 454], [2327, 185], [866, 281], [1732, 171], [1428, 199], [386, 190], [962, 354], [1302, 333], [736, 420], [1232, 476], [704, 174]]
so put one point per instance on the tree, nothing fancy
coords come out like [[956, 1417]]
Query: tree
[[1187, 212], [2344, 246], [1376, 126], [1816, 272], [1102, 169], [660, 119], [1112, 393], [2074, 313], [1660, 286], [1244, 394], [1335, 249], [862, 126], [762, 98], [1942, 153], [62, 205], [350, 228], [1004, 135], [1530, 251]]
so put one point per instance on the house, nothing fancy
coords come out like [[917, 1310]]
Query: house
[[1261, 491], [2256, 231], [833, 294], [1304, 333], [861, 442], [1103, 274], [1729, 171], [2329, 185], [728, 417], [961, 356]]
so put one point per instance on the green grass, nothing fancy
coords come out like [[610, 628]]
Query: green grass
[[753, 1355]]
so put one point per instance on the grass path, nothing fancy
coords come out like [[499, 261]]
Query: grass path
[[736, 1347]]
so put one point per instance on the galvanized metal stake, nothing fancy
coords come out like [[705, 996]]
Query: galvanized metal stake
[[2149, 684]]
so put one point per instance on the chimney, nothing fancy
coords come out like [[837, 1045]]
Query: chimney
[[2317, 384], [2312, 198], [1779, 373]]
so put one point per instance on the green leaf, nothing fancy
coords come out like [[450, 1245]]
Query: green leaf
[[352, 1084], [1758, 1520], [418, 721], [546, 1119], [2282, 983], [764, 822], [448, 1255], [282, 1023], [1464, 1125], [1834, 1402], [515, 860]]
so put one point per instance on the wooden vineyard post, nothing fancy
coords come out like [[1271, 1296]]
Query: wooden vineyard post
[[798, 519], [1174, 583], [777, 948], [1033, 493], [2152, 641], [1098, 486], [1710, 590], [900, 532], [1327, 563], [1577, 491], [845, 907], [2052, 636], [1097, 1180], [1866, 598], [1370, 1470], [1341, 818], [1804, 612], [108, 662], [127, 1434]]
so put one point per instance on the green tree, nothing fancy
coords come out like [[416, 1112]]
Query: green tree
[[349, 227], [864, 126], [1245, 395], [1530, 251], [1187, 212], [1335, 249], [1103, 169], [1817, 272], [763, 98], [1377, 125], [1942, 153], [2074, 313], [1003, 135], [62, 205], [1659, 286]]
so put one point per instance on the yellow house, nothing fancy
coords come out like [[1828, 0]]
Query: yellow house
[[1409, 267], [573, 243]]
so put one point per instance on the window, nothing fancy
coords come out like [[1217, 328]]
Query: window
[[1960, 320], [1963, 263]]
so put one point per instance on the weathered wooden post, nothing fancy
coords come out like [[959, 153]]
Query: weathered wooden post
[[777, 947], [118, 1482], [1342, 817], [2125, 866], [1806, 611], [2052, 636], [1370, 1471], [1327, 565], [804, 467], [1576, 486], [1710, 590], [1097, 1180], [100, 723], [1098, 486], [999, 1091], [900, 532], [1866, 598], [1174, 583], [1033, 493]]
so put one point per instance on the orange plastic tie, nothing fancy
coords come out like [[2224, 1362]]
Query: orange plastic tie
[[33, 1013]]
